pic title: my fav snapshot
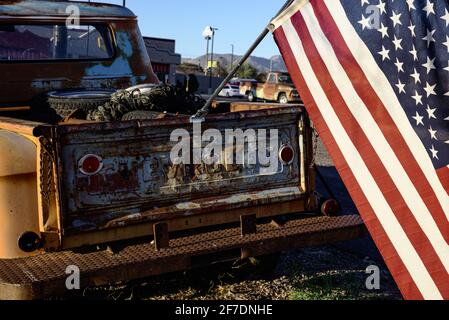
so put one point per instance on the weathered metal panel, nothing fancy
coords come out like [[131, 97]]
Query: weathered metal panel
[[44, 275], [129, 66], [138, 175]]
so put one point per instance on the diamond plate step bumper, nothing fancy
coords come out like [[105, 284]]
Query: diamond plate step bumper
[[44, 275]]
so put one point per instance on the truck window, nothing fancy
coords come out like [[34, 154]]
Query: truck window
[[55, 42], [272, 78], [285, 79]]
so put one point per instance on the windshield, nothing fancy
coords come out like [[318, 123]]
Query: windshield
[[55, 42], [285, 78]]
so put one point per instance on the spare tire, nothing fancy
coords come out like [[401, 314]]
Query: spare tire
[[143, 115], [65, 102]]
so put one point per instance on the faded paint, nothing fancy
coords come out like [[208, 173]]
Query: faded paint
[[138, 174], [130, 66], [240, 198]]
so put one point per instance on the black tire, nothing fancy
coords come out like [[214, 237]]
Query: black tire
[[251, 97], [141, 115], [283, 98], [65, 102]]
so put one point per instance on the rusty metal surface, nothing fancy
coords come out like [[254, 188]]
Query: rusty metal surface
[[253, 106], [129, 66], [44, 275], [271, 90], [25, 127], [138, 179]]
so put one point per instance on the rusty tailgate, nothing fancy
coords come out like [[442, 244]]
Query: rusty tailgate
[[138, 176]]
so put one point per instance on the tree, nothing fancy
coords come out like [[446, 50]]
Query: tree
[[220, 71], [189, 68], [262, 77], [247, 71]]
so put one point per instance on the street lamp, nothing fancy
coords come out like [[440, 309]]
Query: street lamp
[[208, 34]]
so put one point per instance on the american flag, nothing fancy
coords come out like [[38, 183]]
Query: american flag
[[374, 76]]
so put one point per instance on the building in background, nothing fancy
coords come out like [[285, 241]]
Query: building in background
[[164, 58]]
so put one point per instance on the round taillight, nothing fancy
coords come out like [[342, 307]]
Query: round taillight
[[29, 242], [90, 164], [286, 154]]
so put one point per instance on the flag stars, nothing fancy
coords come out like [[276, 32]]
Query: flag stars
[[412, 29], [446, 18], [434, 153], [397, 43], [411, 5], [399, 65], [381, 7], [447, 68], [418, 98], [429, 38], [447, 43], [383, 30], [433, 134], [419, 119], [396, 18], [414, 53], [416, 77], [364, 2], [385, 54], [365, 22], [401, 87], [429, 8], [431, 112], [430, 90], [429, 65]]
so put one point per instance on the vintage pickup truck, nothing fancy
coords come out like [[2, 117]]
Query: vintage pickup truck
[[105, 196], [278, 87]]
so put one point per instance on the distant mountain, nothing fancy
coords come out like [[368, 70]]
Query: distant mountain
[[261, 64]]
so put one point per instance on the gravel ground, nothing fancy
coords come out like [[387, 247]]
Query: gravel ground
[[324, 273]]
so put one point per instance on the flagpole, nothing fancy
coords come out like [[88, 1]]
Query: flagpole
[[204, 111]]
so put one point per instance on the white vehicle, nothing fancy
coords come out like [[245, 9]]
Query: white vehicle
[[230, 91]]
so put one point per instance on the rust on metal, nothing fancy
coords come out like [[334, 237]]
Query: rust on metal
[[248, 224], [25, 127], [161, 236], [138, 182], [44, 275], [185, 222], [129, 65]]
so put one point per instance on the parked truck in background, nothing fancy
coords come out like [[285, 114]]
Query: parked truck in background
[[104, 196], [278, 87]]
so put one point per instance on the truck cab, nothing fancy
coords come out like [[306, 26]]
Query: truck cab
[[277, 87]]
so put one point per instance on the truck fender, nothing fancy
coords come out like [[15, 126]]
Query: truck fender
[[18, 192]]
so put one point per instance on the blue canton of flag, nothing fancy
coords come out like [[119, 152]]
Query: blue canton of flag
[[414, 55]]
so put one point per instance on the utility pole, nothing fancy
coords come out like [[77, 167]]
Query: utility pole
[[232, 57], [206, 68], [212, 60], [124, 3]]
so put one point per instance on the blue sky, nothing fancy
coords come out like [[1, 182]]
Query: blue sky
[[239, 23]]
